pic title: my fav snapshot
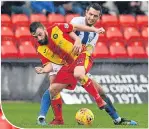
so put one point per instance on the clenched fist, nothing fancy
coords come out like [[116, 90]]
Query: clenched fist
[[100, 30]]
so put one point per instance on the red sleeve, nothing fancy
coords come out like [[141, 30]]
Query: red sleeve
[[43, 59], [65, 27]]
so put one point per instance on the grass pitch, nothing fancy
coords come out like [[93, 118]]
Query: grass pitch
[[24, 115]]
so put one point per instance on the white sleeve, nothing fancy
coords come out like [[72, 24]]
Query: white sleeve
[[76, 20], [94, 41], [56, 69]]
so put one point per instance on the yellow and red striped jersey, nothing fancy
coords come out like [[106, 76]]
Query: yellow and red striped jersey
[[59, 48]]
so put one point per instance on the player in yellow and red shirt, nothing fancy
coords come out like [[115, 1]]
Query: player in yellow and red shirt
[[58, 44], [59, 49], [93, 13]]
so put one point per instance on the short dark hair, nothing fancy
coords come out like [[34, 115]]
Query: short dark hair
[[95, 6], [34, 26]]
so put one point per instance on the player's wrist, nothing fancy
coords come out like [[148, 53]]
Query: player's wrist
[[95, 29], [78, 40], [44, 71]]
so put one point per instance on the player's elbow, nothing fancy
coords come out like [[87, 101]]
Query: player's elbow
[[76, 27]]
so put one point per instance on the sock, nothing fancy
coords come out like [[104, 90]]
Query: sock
[[113, 114], [108, 101], [45, 103], [89, 87], [56, 104], [109, 108]]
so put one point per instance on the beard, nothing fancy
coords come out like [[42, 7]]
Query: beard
[[88, 23], [43, 42]]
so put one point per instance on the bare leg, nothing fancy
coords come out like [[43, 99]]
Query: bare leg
[[56, 88]]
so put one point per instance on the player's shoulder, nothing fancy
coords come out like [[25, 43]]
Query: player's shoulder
[[55, 24], [41, 48], [78, 19], [65, 25]]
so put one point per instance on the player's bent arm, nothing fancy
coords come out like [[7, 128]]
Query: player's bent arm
[[75, 37], [80, 27], [46, 69]]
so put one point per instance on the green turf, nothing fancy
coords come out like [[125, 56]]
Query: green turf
[[24, 114]]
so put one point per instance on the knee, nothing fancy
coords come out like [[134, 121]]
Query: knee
[[103, 96], [79, 75], [79, 72], [52, 91]]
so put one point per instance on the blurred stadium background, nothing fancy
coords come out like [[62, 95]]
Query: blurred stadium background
[[121, 57]]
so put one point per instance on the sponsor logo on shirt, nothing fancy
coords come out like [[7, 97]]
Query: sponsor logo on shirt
[[55, 36], [66, 25]]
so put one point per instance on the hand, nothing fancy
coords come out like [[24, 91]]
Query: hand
[[39, 70], [77, 47], [100, 30]]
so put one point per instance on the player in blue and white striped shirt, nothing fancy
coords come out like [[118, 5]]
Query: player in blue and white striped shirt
[[91, 38], [86, 37]]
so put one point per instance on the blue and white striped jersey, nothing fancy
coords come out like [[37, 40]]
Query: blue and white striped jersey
[[86, 37]]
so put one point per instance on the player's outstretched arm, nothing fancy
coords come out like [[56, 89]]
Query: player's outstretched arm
[[80, 27], [46, 69]]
